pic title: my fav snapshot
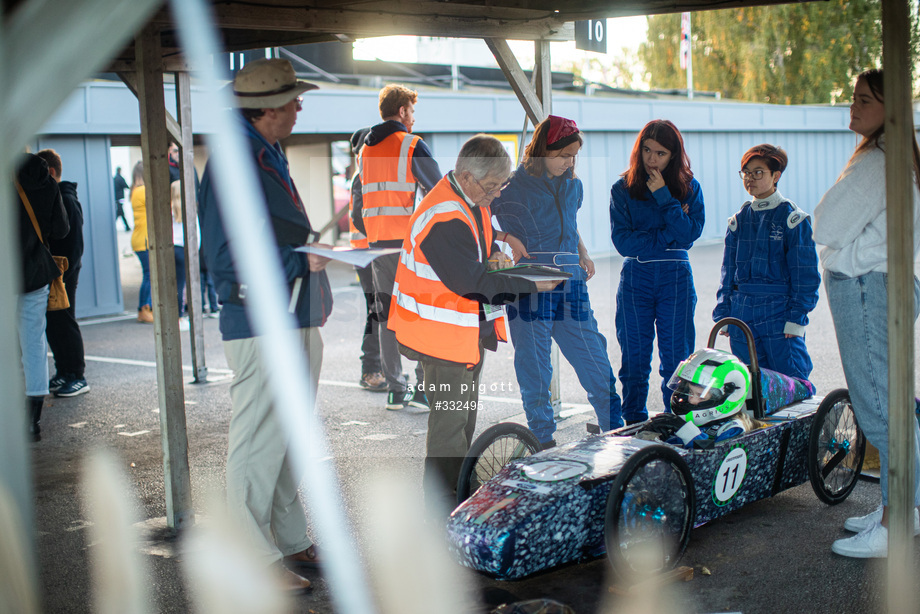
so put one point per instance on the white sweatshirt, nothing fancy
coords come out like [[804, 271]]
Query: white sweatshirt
[[850, 220]]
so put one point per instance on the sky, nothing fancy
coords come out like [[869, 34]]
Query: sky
[[628, 32]]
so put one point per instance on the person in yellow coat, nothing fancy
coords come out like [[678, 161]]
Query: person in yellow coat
[[139, 241]]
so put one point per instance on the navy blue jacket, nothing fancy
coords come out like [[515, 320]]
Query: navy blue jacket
[[291, 229], [541, 211], [655, 228], [769, 250], [70, 246]]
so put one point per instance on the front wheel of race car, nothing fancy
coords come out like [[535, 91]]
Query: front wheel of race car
[[496, 447], [650, 511], [836, 447]]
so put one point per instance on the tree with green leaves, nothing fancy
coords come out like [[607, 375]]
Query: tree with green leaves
[[784, 54]]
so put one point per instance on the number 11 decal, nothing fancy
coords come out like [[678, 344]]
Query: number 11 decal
[[730, 476]]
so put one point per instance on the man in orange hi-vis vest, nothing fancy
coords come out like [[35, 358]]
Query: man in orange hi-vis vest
[[447, 308], [394, 165]]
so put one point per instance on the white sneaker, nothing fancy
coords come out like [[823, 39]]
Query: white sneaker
[[183, 324], [869, 544], [858, 524]]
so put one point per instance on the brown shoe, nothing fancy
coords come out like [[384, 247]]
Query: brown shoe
[[291, 583], [375, 382], [305, 558], [145, 314]]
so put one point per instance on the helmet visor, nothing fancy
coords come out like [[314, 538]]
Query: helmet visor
[[690, 396]]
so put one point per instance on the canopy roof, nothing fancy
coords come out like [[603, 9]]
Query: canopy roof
[[253, 24]]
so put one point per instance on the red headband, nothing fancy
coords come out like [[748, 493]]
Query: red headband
[[560, 128]]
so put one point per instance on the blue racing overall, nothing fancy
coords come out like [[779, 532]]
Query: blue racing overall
[[656, 290], [770, 281], [541, 212]]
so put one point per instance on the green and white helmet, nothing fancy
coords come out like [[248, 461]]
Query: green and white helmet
[[709, 385]]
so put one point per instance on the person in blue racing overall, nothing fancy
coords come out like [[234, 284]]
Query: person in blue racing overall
[[656, 213], [539, 207], [770, 273]]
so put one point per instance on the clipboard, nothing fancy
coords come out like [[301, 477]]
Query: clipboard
[[533, 272]]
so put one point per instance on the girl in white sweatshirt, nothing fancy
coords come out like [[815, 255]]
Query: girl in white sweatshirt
[[850, 221]]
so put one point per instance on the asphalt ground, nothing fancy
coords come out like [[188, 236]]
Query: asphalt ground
[[771, 556]]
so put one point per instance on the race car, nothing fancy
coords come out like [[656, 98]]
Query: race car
[[636, 492]]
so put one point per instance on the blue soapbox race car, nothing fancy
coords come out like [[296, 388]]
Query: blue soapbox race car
[[636, 492]]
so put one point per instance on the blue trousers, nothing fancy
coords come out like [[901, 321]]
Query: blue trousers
[[653, 297], [567, 317], [765, 315]]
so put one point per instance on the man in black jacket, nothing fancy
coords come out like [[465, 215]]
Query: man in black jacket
[[38, 271], [120, 186], [63, 331]]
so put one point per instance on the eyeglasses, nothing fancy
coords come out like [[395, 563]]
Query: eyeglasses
[[497, 191], [758, 174], [299, 101]]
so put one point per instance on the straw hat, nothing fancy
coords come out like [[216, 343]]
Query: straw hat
[[268, 84]]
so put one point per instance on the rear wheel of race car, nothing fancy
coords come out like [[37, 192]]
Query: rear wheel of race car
[[836, 448], [650, 511], [496, 447]]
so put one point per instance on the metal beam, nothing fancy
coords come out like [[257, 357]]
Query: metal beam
[[518, 80], [544, 72], [899, 140], [190, 224], [170, 392]]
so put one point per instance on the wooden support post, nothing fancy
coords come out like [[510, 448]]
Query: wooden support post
[[171, 395], [516, 77], [172, 125], [899, 136], [544, 72], [190, 220]]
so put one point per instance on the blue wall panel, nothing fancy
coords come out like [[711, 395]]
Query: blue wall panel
[[85, 160]]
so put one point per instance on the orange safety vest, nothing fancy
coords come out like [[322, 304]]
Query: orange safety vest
[[425, 315], [388, 186]]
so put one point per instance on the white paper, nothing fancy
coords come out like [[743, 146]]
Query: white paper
[[350, 255]]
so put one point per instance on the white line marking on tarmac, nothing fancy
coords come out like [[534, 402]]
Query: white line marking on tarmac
[[571, 408], [134, 434], [148, 363], [78, 425], [355, 423], [380, 437]]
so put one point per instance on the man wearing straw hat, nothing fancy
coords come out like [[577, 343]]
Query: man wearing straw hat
[[261, 486]]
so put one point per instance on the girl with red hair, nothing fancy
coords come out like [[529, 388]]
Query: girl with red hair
[[656, 213]]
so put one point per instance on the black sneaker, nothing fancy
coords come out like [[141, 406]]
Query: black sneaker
[[397, 400], [56, 382], [419, 399], [73, 388]]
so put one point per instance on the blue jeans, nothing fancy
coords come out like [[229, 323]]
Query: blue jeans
[[32, 308], [566, 316], [143, 296], [180, 276], [208, 292], [859, 307]]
